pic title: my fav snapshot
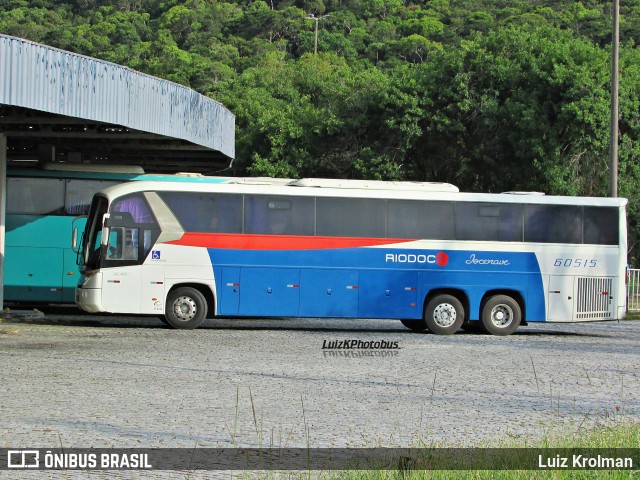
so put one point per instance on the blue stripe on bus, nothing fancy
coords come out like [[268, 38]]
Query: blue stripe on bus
[[367, 282]]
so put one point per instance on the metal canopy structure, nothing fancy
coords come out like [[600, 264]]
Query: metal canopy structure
[[40, 137], [57, 106], [62, 107]]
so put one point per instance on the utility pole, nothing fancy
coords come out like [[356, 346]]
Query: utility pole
[[613, 134], [311, 16]]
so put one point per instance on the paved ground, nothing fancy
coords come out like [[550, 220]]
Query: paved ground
[[101, 381]]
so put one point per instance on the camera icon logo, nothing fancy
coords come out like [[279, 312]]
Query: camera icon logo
[[23, 459]]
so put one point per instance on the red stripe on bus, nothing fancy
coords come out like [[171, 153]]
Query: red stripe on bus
[[277, 242]]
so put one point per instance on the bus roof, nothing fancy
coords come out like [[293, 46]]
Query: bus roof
[[374, 185], [230, 186]]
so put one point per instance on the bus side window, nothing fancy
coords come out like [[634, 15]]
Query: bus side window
[[553, 224], [416, 219], [79, 193], [114, 247], [350, 217], [486, 221], [35, 196], [601, 226], [123, 244], [278, 215], [206, 212]]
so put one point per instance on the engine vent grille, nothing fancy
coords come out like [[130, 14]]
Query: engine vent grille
[[594, 298]]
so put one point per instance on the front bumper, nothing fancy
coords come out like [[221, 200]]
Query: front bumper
[[89, 299]]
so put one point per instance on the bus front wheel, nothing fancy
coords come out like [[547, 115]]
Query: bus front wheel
[[444, 315], [501, 315], [186, 308]]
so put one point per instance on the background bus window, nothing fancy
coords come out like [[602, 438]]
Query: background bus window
[[35, 196], [411, 219], [601, 226], [79, 193], [278, 215], [206, 212], [553, 224], [350, 217], [485, 221]]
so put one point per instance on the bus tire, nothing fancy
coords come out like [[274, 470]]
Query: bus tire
[[501, 315], [444, 315], [186, 308], [415, 325]]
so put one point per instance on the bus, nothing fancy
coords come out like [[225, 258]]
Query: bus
[[426, 254], [42, 212]]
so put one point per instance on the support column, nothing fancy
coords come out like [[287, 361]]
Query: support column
[[613, 135], [3, 203]]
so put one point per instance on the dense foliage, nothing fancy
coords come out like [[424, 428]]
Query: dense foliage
[[490, 95]]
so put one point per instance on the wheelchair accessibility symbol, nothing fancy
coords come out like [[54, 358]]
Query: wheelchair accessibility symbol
[[155, 255]]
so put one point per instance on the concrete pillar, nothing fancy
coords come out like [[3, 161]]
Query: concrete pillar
[[3, 203]]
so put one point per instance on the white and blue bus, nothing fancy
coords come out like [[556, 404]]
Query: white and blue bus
[[425, 254], [43, 206]]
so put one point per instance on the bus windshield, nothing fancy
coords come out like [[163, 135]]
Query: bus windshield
[[131, 230], [93, 235]]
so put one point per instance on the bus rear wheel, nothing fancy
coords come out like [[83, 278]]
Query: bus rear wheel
[[501, 315], [444, 315], [186, 308]]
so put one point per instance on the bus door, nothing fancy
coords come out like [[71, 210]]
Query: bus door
[[70, 276], [152, 291], [121, 280], [70, 270]]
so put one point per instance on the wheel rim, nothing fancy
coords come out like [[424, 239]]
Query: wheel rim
[[501, 315], [445, 315], [185, 308]]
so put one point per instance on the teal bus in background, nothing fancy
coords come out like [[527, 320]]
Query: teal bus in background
[[44, 207]]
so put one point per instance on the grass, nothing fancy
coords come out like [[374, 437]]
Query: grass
[[611, 431], [635, 315]]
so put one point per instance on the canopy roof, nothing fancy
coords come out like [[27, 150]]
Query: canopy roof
[[59, 106]]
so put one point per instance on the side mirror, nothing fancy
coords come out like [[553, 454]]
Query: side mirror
[[104, 238], [74, 240], [75, 244]]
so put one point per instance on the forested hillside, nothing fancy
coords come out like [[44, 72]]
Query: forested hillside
[[489, 95]]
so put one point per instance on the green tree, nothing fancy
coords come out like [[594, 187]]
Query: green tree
[[515, 109]]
